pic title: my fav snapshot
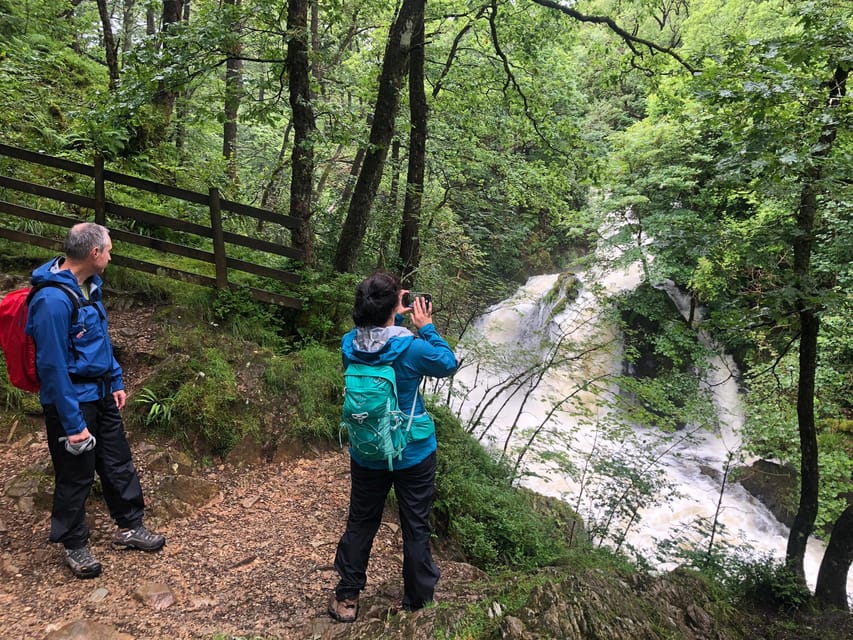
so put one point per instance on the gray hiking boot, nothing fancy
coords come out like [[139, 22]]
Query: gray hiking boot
[[82, 563], [138, 538]]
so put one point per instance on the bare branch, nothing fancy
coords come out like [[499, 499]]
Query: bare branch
[[453, 51], [511, 80], [632, 40]]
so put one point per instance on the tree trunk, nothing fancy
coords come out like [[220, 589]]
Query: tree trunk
[[302, 158], [128, 23], [327, 169], [394, 66], [110, 47], [183, 101], [831, 588], [803, 524], [233, 93], [802, 243], [270, 194], [164, 97], [410, 244], [390, 206], [394, 191], [355, 168], [315, 42], [150, 20]]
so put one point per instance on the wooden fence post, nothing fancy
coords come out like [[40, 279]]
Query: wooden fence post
[[218, 239], [100, 191]]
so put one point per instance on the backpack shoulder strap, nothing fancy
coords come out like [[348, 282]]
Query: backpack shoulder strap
[[72, 295]]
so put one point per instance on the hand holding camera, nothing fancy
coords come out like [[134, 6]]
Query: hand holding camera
[[421, 307], [409, 298]]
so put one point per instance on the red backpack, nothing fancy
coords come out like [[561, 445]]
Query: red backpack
[[18, 348]]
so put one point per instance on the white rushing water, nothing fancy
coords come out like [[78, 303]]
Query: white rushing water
[[569, 419]]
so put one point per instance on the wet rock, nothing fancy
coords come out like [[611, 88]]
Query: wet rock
[[775, 486], [513, 629], [595, 605], [32, 488], [171, 462], [179, 496], [23, 485], [155, 595], [86, 630]]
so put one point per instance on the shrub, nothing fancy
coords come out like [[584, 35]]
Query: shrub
[[312, 382], [495, 524], [327, 301], [759, 581], [195, 397]]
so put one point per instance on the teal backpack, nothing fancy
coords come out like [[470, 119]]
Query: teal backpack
[[376, 428]]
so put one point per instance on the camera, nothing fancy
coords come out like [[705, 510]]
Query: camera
[[409, 298]]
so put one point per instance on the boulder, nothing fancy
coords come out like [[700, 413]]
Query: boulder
[[774, 485], [86, 630]]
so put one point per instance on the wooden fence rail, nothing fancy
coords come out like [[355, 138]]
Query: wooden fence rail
[[220, 240]]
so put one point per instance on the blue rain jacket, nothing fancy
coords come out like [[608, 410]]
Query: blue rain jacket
[[49, 323], [412, 358]]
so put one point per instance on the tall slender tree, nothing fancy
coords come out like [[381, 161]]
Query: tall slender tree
[[110, 46], [808, 293], [233, 88], [394, 67], [302, 157], [410, 243]]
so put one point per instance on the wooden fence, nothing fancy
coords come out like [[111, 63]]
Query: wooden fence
[[122, 219]]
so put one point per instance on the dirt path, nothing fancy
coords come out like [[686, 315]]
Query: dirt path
[[256, 561]]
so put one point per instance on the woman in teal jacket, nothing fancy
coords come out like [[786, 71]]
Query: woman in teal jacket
[[378, 339]]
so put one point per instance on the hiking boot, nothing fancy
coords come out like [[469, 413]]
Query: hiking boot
[[343, 610], [82, 563], [138, 538]]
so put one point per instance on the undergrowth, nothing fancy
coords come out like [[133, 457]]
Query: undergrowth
[[495, 524]]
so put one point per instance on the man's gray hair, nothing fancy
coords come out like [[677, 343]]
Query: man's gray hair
[[84, 237]]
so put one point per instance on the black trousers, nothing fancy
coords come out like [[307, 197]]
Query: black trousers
[[74, 475], [415, 491]]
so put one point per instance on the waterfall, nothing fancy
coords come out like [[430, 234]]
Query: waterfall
[[539, 371]]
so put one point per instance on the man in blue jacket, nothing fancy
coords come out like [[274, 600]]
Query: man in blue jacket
[[82, 393], [377, 339]]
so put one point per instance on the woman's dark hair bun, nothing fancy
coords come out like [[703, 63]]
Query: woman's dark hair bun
[[376, 298]]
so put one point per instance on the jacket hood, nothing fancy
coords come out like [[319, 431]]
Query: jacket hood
[[53, 271], [376, 345]]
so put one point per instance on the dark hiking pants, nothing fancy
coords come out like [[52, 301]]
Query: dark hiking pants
[[74, 475], [415, 491]]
